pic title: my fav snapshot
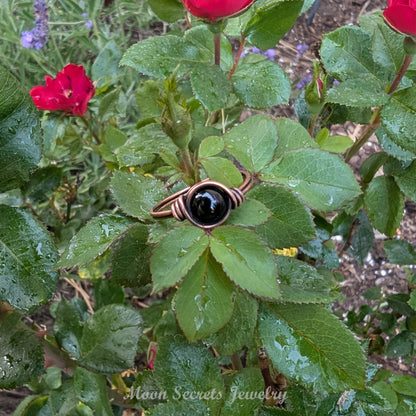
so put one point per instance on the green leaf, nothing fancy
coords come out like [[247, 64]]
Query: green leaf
[[182, 368], [204, 301], [114, 137], [270, 23], [385, 204], [292, 135], [238, 331], [301, 283], [372, 164], [52, 378], [336, 144], [373, 293], [179, 408], [20, 133], [33, 405], [406, 179], [211, 146], [346, 53], [291, 222], [143, 146], [404, 384], [274, 411], [66, 402], [145, 391], [387, 44], [175, 255], [407, 406], [252, 142], [310, 173], [400, 252], [130, 258], [260, 83], [249, 214], [137, 194], [398, 118], [202, 38], [158, 56], [105, 68], [93, 240], [106, 292], [211, 86], [412, 300], [21, 354], [222, 170], [399, 303], [109, 339], [27, 257], [91, 389], [168, 10], [390, 147], [147, 96], [358, 92], [68, 328], [400, 345], [246, 260], [312, 347], [245, 394], [387, 393], [363, 238]]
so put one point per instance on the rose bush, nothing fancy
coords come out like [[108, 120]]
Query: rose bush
[[216, 9], [69, 92], [401, 15]]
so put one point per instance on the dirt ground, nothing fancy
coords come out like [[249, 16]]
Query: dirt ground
[[376, 271]]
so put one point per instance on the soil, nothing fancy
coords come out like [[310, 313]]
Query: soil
[[376, 271]]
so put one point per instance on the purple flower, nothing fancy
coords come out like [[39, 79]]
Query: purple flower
[[336, 82], [304, 81], [270, 54], [302, 48], [88, 24], [27, 39], [38, 36]]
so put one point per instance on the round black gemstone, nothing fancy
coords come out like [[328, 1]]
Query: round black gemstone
[[209, 206]]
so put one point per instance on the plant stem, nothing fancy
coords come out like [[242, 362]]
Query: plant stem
[[238, 56], [375, 120], [312, 125], [92, 132], [236, 362], [407, 61], [217, 48], [188, 165], [365, 135]]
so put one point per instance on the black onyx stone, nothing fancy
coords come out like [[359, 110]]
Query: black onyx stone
[[209, 206]]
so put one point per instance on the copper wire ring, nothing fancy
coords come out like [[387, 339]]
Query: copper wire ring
[[206, 204]]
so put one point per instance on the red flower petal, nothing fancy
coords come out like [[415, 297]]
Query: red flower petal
[[70, 91], [402, 18], [215, 9]]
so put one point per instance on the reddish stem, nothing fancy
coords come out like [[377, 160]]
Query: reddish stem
[[407, 61], [217, 48], [373, 126], [238, 56]]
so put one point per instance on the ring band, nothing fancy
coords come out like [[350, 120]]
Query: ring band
[[206, 204]]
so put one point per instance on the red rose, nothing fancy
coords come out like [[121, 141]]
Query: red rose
[[216, 9], [69, 92], [401, 15]]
